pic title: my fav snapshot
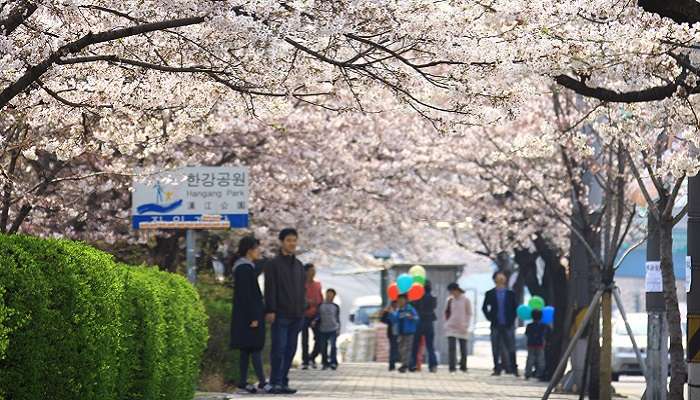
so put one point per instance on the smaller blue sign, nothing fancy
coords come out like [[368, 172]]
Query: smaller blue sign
[[236, 220]]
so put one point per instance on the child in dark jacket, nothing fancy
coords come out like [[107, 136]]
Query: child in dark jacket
[[392, 334], [406, 321], [537, 334]]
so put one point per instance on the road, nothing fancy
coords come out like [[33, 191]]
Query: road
[[630, 386]]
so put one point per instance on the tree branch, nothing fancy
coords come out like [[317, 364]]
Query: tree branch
[[680, 215], [112, 58], [16, 17], [655, 93], [681, 11], [35, 72], [21, 216], [651, 205], [9, 185], [64, 100], [672, 197]]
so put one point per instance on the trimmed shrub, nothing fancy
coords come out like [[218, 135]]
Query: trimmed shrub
[[79, 325], [220, 361], [186, 333], [143, 311]]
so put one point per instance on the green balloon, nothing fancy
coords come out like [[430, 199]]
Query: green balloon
[[419, 279], [536, 303], [417, 270]]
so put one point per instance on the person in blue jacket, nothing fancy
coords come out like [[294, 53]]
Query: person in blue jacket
[[405, 318]]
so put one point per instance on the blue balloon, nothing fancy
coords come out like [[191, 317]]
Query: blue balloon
[[524, 312], [548, 315], [404, 282]]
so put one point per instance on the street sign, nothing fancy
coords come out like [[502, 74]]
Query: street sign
[[191, 198]]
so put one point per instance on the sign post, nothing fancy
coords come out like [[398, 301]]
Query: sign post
[[191, 252], [191, 198]]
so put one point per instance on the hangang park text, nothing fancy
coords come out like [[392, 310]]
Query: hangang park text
[[402, 199]]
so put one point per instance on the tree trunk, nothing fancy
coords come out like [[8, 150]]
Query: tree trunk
[[594, 384], [594, 357], [527, 271], [556, 294], [165, 253], [606, 350], [673, 315]]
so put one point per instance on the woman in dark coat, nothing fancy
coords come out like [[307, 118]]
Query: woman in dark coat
[[248, 323]]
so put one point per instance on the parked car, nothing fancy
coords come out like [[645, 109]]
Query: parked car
[[365, 308], [624, 360]]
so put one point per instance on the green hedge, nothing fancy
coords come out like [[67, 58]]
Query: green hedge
[[220, 365], [74, 324]]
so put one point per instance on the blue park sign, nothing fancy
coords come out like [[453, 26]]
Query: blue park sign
[[191, 198]]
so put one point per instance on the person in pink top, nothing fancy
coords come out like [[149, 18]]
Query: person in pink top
[[314, 297], [458, 315]]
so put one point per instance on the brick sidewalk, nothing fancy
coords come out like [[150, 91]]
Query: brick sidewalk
[[373, 381]]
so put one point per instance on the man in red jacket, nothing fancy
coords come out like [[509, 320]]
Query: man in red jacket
[[314, 297]]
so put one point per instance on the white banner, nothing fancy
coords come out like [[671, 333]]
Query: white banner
[[653, 282]]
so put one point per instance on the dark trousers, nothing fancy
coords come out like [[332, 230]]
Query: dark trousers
[[305, 356], [503, 348], [328, 339], [427, 330], [256, 358], [285, 332], [452, 351], [535, 359], [393, 351], [405, 347]]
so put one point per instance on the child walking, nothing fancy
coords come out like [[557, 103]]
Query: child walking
[[406, 318], [328, 328], [537, 334]]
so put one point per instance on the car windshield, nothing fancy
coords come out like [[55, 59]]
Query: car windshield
[[364, 313], [639, 327]]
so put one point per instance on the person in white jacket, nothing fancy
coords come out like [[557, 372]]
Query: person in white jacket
[[458, 315]]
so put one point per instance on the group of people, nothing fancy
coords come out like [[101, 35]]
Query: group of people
[[408, 324], [292, 302]]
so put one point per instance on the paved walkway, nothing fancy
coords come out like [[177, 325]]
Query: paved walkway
[[373, 381]]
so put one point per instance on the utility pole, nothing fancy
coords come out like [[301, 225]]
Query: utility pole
[[693, 330], [657, 327]]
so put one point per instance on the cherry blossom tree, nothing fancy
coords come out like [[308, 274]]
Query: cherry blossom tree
[[91, 89]]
